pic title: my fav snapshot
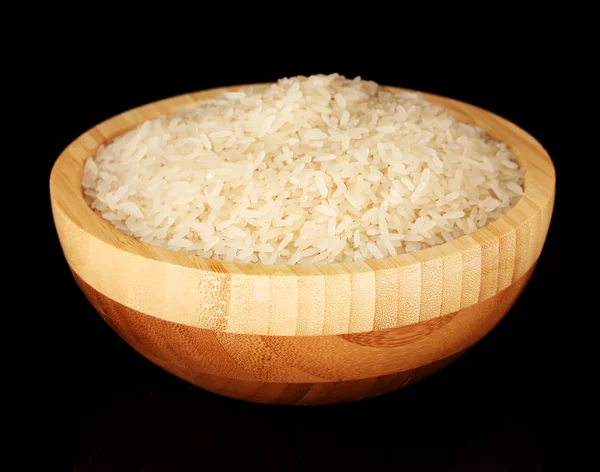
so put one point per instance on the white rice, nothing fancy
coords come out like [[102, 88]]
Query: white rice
[[316, 169]]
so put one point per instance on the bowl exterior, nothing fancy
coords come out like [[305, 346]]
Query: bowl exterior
[[304, 370]]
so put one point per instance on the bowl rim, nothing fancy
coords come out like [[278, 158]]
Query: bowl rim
[[67, 195]]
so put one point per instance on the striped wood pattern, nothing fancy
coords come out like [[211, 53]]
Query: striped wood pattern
[[325, 369]]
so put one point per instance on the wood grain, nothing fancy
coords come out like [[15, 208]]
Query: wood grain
[[304, 369], [302, 325]]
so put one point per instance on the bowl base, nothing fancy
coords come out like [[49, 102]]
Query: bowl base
[[318, 393]]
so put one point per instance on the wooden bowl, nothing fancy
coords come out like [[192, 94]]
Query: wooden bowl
[[316, 334]]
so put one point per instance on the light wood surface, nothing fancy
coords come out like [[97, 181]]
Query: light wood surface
[[267, 333]]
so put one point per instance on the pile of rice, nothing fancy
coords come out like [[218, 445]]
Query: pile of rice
[[316, 169]]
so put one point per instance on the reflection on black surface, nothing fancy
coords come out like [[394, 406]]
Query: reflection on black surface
[[159, 431]]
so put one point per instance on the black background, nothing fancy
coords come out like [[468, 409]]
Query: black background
[[488, 411]]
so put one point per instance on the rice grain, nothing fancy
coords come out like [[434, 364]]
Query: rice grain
[[315, 169]]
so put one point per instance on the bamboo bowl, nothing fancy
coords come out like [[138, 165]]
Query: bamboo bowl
[[317, 334]]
